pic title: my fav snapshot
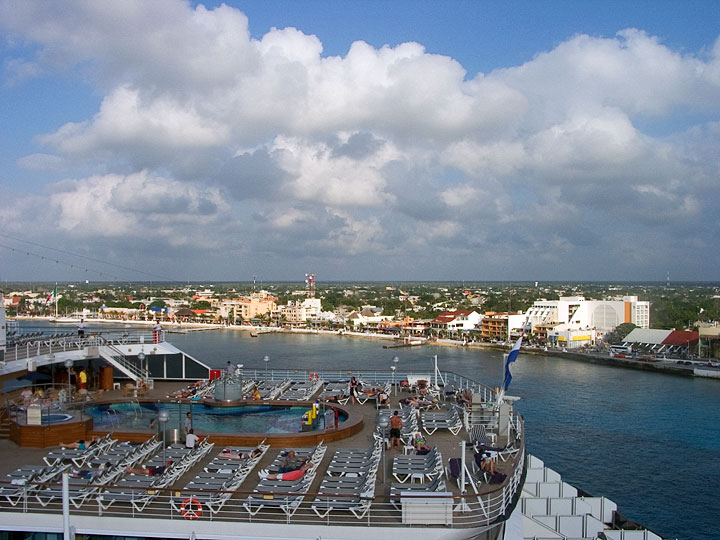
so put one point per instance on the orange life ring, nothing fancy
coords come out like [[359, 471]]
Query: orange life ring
[[191, 508], [314, 377]]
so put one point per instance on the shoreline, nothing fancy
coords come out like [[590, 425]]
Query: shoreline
[[669, 367]]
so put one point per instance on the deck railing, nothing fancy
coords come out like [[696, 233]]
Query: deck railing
[[468, 511], [370, 377], [46, 345]]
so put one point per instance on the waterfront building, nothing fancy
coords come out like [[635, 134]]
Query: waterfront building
[[248, 307], [297, 313], [367, 316], [562, 336], [497, 325], [457, 321], [708, 340], [602, 315], [657, 341]]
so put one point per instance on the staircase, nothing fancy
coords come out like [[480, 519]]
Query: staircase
[[117, 358], [5, 423], [552, 509]]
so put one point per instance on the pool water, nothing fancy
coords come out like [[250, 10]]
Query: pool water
[[134, 416], [56, 418]]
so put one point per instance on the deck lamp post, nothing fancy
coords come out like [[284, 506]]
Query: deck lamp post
[[383, 423], [393, 368], [240, 374], [141, 359], [395, 362], [68, 365], [266, 360], [163, 417]]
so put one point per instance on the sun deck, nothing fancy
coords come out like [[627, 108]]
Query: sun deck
[[171, 511]]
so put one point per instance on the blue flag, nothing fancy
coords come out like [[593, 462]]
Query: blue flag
[[511, 357]]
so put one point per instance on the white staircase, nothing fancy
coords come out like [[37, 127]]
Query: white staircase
[[552, 509]]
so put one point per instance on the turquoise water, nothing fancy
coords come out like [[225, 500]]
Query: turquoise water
[[205, 419], [648, 441]]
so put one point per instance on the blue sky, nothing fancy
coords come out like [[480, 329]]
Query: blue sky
[[360, 140]]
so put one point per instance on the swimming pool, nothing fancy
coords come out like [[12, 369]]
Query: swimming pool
[[246, 418], [56, 418]]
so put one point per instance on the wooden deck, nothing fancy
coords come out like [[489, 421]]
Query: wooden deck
[[362, 420]]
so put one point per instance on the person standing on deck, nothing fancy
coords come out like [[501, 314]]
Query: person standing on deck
[[82, 379], [81, 328], [157, 332], [396, 425], [354, 384], [188, 423]]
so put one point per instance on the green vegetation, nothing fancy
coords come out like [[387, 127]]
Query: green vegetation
[[680, 306]]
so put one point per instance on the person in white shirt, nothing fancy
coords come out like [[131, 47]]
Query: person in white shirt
[[191, 439]]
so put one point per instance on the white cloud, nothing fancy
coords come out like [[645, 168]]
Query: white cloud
[[394, 146], [136, 205]]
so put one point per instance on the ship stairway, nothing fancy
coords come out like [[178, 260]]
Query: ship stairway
[[553, 509], [116, 358]]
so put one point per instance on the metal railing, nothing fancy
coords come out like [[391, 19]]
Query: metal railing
[[119, 358], [456, 511], [371, 377], [49, 345]]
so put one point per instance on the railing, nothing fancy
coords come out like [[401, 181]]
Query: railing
[[372, 377], [119, 357], [468, 511], [50, 345]]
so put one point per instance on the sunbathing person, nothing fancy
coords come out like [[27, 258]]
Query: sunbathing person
[[420, 444], [485, 462], [292, 475], [81, 473], [411, 401], [229, 454], [291, 462], [79, 445], [153, 470]]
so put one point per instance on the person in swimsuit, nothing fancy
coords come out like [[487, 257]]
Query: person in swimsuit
[[292, 475], [396, 425]]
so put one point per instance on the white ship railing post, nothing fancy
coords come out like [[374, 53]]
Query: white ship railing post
[[66, 506]]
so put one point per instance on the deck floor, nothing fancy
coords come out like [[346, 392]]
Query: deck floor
[[449, 445]]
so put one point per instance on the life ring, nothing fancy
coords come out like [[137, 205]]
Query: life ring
[[191, 508], [314, 377]]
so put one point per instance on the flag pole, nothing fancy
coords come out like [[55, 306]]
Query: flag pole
[[56, 302]]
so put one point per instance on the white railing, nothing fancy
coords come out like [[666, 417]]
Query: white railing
[[48, 345], [471, 511]]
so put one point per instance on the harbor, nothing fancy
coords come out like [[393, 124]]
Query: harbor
[[591, 396]]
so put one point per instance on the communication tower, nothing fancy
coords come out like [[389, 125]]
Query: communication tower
[[310, 280]]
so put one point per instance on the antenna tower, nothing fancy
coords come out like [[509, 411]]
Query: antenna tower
[[310, 280]]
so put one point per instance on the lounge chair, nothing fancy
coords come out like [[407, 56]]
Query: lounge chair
[[396, 489], [427, 466]]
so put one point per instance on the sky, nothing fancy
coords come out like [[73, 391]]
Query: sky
[[456, 140]]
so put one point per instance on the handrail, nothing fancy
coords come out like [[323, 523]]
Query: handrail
[[120, 358], [478, 510], [48, 344]]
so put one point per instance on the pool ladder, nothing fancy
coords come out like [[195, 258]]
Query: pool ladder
[[112, 416], [138, 411]]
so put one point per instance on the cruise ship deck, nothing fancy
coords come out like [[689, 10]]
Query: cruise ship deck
[[361, 499]]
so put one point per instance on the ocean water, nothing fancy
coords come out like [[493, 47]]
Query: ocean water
[[648, 441]]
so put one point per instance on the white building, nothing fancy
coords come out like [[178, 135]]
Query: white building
[[570, 338], [296, 312], [601, 315], [458, 320]]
